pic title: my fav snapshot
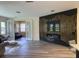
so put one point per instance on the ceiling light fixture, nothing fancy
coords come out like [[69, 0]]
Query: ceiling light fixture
[[29, 1], [52, 10], [18, 12]]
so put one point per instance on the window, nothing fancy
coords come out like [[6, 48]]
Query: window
[[3, 27], [22, 27], [56, 27], [53, 26]]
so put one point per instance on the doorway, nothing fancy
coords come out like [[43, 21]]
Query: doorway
[[20, 27], [23, 29]]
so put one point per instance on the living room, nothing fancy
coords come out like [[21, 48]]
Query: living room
[[50, 23]]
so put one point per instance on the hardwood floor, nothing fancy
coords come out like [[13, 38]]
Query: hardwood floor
[[37, 49]]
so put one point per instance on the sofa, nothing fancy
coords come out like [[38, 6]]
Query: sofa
[[17, 35], [2, 44]]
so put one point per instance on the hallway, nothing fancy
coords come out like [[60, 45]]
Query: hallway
[[37, 49]]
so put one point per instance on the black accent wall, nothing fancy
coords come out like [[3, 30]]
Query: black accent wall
[[68, 21]]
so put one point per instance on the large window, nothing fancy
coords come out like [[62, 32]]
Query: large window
[[20, 27], [53, 26], [56, 27], [2, 27]]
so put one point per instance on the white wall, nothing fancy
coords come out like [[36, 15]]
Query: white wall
[[78, 26], [35, 28], [35, 25]]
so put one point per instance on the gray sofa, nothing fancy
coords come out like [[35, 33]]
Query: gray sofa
[[2, 44]]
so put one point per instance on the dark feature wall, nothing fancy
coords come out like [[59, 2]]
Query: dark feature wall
[[68, 21]]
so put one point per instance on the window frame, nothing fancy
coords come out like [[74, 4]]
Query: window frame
[[5, 27], [54, 26]]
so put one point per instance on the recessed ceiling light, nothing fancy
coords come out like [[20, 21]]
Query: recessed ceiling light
[[52, 10], [18, 12]]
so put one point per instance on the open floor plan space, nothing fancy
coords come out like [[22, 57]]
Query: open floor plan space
[[39, 29], [37, 49]]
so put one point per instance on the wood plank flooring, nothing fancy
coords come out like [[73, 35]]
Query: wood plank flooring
[[37, 49]]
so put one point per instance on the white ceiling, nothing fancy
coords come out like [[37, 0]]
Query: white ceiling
[[36, 8]]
